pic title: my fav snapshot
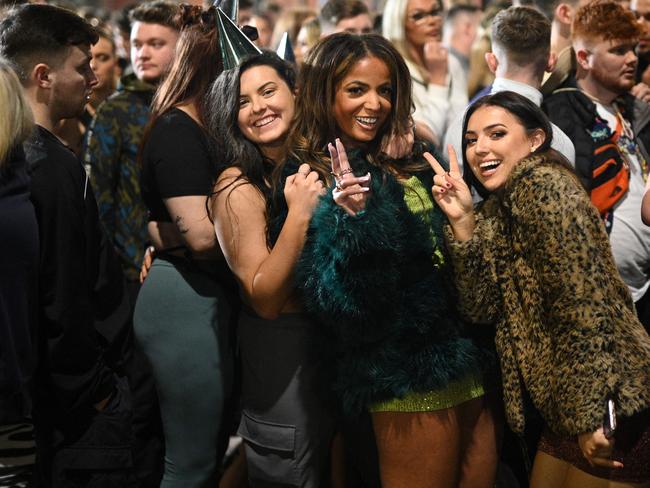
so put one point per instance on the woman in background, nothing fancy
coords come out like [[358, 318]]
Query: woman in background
[[439, 83], [184, 310]]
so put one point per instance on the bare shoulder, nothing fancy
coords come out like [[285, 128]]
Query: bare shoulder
[[227, 177], [232, 187]]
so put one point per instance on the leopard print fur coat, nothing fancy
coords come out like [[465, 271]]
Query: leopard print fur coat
[[539, 267]]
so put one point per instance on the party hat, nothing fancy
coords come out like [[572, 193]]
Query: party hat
[[285, 49], [235, 46], [230, 8]]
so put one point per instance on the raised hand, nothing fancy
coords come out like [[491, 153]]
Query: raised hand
[[436, 62], [452, 195], [147, 261], [351, 191], [399, 146], [302, 190]]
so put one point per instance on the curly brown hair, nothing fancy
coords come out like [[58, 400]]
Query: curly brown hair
[[605, 20], [325, 68]]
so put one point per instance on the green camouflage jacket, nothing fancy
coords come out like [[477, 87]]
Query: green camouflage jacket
[[110, 156]]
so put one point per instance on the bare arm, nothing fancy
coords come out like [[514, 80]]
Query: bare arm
[[164, 235], [190, 218], [265, 275]]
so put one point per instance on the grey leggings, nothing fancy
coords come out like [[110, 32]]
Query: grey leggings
[[181, 320]]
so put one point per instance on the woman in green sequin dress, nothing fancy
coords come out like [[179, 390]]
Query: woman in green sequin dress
[[373, 272]]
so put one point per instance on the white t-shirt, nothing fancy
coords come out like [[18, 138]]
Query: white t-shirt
[[629, 236]]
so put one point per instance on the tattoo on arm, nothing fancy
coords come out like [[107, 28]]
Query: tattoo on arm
[[181, 225]]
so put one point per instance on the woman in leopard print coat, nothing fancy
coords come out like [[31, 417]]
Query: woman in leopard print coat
[[535, 261]]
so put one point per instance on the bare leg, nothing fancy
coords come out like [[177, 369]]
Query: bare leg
[[480, 435], [579, 479], [548, 471], [418, 449]]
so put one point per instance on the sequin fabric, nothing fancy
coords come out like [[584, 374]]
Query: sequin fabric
[[455, 393]]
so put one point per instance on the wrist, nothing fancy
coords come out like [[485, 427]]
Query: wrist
[[299, 216], [463, 227]]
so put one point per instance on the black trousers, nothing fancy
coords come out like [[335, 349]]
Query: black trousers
[[91, 452], [149, 441]]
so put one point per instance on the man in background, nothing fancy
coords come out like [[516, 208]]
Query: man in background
[[611, 132], [520, 56], [116, 133], [110, 155], [459, 32], [345, 16], [82, 402]]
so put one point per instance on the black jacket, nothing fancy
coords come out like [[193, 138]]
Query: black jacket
[[84, 322], [575, 113], [18, 288]]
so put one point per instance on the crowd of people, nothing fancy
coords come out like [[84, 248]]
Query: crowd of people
[[398, 245]]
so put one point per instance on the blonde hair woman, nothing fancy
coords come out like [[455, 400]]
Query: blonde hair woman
[[16, 118], [19, 256], [439, 83]]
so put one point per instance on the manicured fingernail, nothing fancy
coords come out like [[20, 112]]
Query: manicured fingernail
[[442, 190], [365, 189], [448, 185]]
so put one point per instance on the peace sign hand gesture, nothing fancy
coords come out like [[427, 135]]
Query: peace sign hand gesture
[[351, 191], [453, 196]]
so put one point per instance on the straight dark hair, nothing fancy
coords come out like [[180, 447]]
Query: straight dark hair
[[229, 145], [35, 33], [525, 111]]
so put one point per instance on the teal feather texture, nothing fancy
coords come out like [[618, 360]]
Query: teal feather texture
[[373, 281]]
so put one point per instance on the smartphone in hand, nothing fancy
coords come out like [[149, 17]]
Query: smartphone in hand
[[609, 421]]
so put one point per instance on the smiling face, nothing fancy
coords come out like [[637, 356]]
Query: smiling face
[[362, 101], [423, 22], [496, 142], [266, 107]]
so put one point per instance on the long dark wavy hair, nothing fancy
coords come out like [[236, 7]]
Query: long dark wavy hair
[[325, 68], [525, 111], [233, 149]]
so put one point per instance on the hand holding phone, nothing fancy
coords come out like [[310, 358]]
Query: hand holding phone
[[609, 422]]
